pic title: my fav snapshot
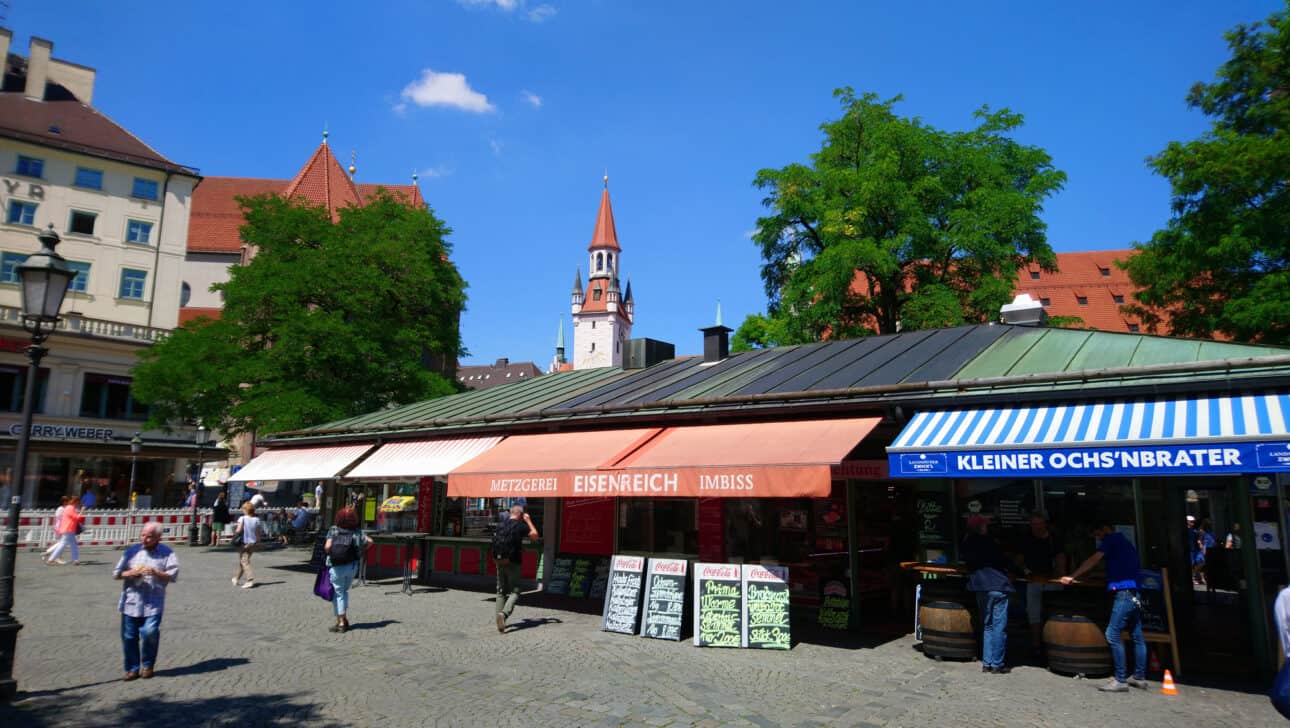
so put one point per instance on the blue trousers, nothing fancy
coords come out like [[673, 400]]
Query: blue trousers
[[1126, 615], [993, 607], [136, 631], [342, 577]]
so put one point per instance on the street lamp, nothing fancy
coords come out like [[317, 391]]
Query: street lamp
[[45, 277], [136, 444], [203, 437]]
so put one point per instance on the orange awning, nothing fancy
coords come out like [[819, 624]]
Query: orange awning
[[751, 460]]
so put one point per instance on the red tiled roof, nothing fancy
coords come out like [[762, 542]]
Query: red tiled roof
[[192, 313], [1092, 276], [215, 216], [591, 305], [323, 181], [410, 194], [606, 235], [80, 128]]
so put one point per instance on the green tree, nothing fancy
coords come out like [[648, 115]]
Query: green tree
[[895, 224], [328, 320], [1222, 263]]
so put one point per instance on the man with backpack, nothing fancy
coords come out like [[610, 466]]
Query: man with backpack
[[508, 542]]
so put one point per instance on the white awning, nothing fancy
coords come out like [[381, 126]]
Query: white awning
[[304, 463], [420, 458]]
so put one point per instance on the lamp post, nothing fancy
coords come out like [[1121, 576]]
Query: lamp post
[[136, 444], [203, 437], [45, 277]]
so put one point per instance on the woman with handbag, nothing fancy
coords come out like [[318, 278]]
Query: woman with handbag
[[247, 540], [345, 542], [70, 523]]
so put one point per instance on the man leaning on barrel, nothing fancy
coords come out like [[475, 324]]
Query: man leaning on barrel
[[1126, 608]]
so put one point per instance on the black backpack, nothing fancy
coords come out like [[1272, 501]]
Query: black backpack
[[344, 547], [504, 540]]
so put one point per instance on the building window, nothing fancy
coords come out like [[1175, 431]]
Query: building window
[[1118, 298], [13, 386], [1081, 300], [1034, 275], [595, 296], [1045, 302], [1133, 328], [185, 294], [82, 280], [30, 167], [610, 261], [132, 282], [81, 222], [1106, 272], [22, 213], [145, 189], [108, 397], [89, 178], [600, 261], [9, 263], [138, 231], [593, 346]]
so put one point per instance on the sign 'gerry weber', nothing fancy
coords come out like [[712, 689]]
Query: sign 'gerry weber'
[[1239, 457]]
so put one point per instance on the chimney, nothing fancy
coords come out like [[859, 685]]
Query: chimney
[[1024, 311], [716, 340], [38, 68], [503, 362]]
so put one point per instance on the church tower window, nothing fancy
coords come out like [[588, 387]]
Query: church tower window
[[600, 261]]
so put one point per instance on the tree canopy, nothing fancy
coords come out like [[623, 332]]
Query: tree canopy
[[328, 320], [1222, 263], [895, 225]]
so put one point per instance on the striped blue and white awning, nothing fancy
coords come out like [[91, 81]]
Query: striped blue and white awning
[[1195, 435]]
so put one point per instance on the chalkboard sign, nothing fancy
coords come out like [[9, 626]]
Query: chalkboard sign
[[319, 557], [580, 577], [766, 618], [599, 579], [835, 605], [933, 518], [1155, 614], [561, 573], [718, 605], [623, 594], [664, 599]]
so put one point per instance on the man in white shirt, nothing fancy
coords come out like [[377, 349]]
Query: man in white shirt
[[258, 500], [318, 494], [1282, 612], [147, 568]]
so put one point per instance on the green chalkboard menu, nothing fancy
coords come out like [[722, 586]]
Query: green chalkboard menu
[[623, 596], [664, 613], [581, 576], [766, 618], [835, 605], [933, 518], [561, 573], [718, 605]]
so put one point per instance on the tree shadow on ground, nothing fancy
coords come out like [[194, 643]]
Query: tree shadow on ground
[[225, 710], [529, 623], [372, 625]]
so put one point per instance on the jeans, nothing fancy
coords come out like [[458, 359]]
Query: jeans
[[1126, 615], [65, 540], [508, 588], [342, 577], [136, 630], [993, 606]]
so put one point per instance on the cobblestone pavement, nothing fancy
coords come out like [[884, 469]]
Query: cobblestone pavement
[[263, 656]]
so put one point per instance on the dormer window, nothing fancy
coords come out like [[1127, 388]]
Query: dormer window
[[1106, 272], [1118, 298], [1081, 300], [595, 294], [1034, 275]]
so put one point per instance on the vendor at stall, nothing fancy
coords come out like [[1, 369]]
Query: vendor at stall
[[1042, 560]]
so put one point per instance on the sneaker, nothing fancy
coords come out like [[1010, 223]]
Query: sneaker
[[248, 585], [131, 675], [501, 622], [60, 562], [145, 673], [987, 668], [334, 628], [1002, 670], [1114, 686], [1139, 683], [234, 580]]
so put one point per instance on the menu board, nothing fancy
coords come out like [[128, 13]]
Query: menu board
[[933, 518], [623, 594], [664, 613], [561, 573], [599, 579], [718, 605], [319, 557], [1155, 615], [766, 617], [580, 577], [835, 605]]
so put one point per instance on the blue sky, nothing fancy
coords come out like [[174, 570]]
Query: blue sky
[[511, 111]]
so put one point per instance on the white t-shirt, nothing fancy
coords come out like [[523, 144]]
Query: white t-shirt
[[250, 529], [1282, 611], [318, 491], [258, 500]]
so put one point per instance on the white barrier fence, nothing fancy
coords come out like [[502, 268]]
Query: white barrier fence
[[120, 527]]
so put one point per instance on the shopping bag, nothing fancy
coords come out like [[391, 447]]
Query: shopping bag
[[1280, 694], [322, 585]]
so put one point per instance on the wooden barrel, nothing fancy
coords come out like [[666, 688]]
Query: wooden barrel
[[947, 630], [1076, 646]]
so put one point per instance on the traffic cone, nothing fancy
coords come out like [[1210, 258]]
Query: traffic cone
[[1154, 664], [1167, 687]]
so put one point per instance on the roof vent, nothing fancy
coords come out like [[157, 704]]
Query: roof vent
[[1024, 311]]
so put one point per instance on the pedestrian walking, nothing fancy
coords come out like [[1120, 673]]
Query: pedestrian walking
[[345, 541], [1126, 608], [69, 525], [219, 517], [988, 576], [250, 529], [508, 541], [58, 517], [147, 568]]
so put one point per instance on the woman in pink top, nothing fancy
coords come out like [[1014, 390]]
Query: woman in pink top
[[69, 524]]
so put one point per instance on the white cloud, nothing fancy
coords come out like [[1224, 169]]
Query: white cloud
[[541, 12], [442, 170], [533, 99], [445, 89], [507, 5]]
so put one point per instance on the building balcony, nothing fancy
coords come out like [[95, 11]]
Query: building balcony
[[92, 327]]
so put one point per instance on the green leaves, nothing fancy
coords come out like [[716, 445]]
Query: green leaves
[[1220, 265], [327, 321], [894, 224]]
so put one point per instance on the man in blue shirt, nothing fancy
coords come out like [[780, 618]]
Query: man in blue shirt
[[1126, 609]]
